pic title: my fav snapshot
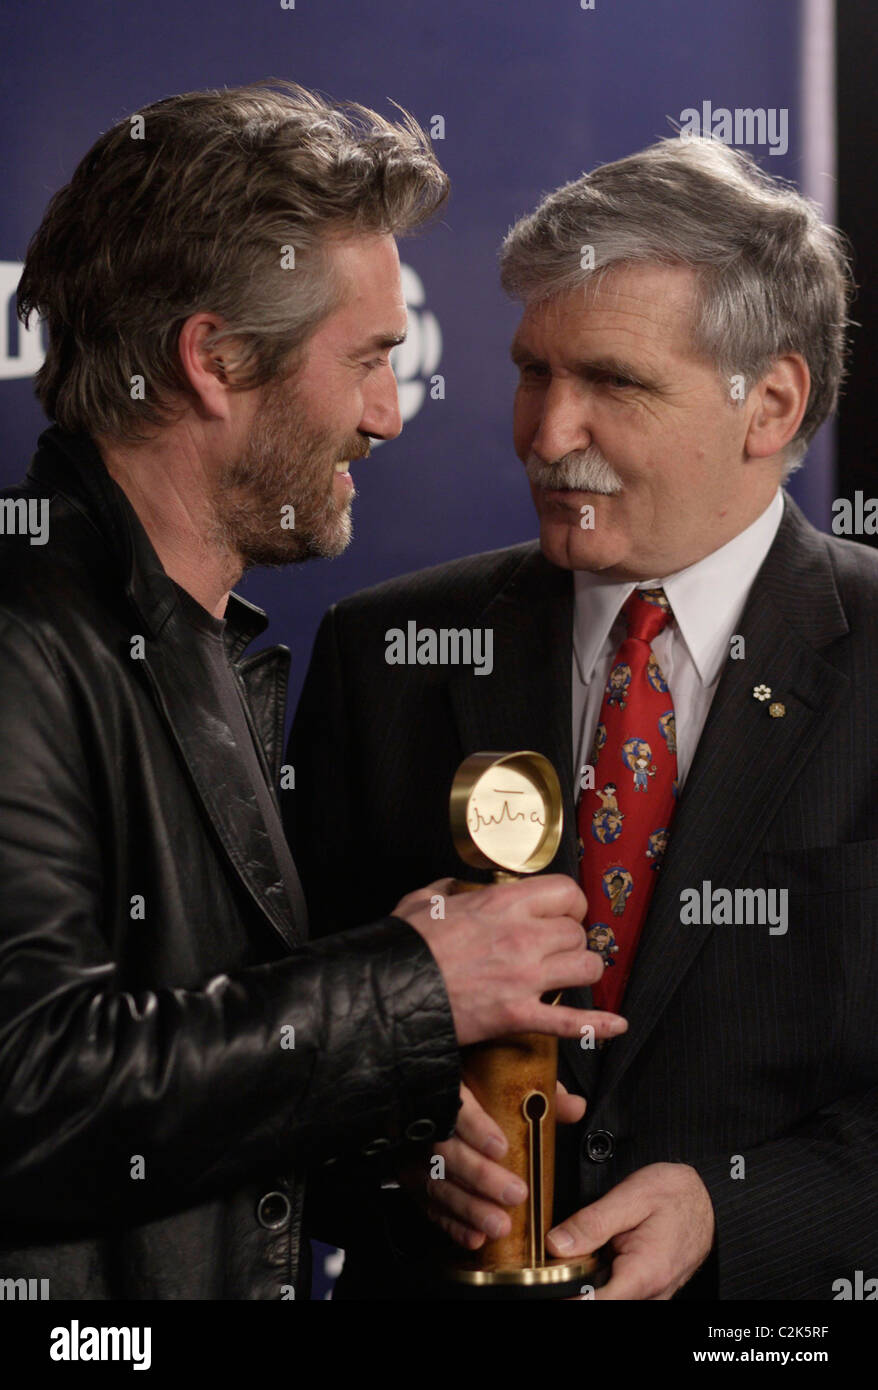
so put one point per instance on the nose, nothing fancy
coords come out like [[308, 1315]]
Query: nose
[[381, 415], [561, 424]]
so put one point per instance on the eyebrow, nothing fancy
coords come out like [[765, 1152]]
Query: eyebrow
[[383, 341], [586, 367]]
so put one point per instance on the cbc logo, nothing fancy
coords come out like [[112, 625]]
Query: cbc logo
[[414, 361], [27, 356]]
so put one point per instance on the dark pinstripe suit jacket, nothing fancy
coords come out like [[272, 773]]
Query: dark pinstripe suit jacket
[[740, 1042]]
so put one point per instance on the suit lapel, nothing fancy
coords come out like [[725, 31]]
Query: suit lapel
[[744, 766], [265, 676], [526, 704]]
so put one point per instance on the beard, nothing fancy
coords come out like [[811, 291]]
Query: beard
[[287, 464], [585, 470]]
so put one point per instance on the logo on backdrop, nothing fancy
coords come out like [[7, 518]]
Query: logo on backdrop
[[415, 361], [23, 354]]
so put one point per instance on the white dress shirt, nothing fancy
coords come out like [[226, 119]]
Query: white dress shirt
[[707, 601]]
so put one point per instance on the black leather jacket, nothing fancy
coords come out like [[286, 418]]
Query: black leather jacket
[[154, 1129]]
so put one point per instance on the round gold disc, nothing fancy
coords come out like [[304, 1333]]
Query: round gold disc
[[506, 811]]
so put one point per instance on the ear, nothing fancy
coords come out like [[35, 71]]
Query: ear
[[206, 368], [778, 401]]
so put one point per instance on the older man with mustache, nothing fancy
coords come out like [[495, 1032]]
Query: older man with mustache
[[682, 633]]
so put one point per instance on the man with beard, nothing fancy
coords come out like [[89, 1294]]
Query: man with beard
[[221, 296], [681, 341]]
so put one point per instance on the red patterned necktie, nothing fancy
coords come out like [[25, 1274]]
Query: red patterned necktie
[[624, 821]]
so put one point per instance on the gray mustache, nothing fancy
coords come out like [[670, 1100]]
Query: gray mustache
[[587, 471]]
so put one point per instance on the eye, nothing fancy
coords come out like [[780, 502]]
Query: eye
[[534, 371], [377, 362], [618, 383]]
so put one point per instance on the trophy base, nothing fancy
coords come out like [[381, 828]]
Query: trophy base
[[560, 1279]]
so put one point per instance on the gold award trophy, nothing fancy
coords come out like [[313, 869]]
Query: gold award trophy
[[507, 815]]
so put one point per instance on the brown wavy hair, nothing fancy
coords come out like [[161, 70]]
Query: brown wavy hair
[[193, 204]]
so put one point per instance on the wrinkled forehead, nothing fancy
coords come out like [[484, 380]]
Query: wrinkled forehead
[[648, 305]]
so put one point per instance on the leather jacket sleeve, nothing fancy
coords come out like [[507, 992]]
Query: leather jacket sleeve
[[194, 1082]]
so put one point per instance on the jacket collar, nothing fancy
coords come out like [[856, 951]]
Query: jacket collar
[[707, 599], [70, 464]]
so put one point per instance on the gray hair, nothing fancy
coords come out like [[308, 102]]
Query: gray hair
[[772, 277]]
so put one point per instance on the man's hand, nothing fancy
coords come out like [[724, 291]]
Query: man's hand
[[658, 1222], [468, 1203], [501, 947]]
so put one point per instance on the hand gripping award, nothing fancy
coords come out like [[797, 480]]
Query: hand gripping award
[[506, 815]]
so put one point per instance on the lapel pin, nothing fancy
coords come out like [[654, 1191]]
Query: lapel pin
[[777, 710], [762, 692]]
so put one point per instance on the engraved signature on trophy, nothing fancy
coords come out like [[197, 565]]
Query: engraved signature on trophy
[[506, 812]]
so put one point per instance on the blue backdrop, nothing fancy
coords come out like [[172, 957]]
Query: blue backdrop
[[531, 94]]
